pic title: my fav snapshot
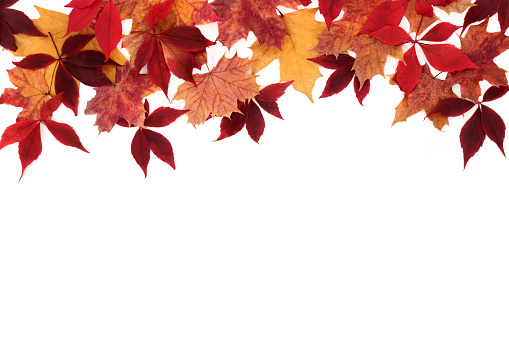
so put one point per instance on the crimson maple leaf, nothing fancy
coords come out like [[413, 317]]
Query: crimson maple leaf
[[108, 26], [146, 140], [251, 115], [484, 122], [85, 66], [28, 133], [14, 22]]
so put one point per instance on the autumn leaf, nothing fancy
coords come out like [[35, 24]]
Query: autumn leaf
[[330, 9], [486, 8], [14, 22], [297, 47], [239, 17], [122, 100], [217, 91]]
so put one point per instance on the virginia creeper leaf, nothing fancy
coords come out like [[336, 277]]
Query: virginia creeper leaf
[[472, 136], [493, 126], [108, 29], [330, 9]]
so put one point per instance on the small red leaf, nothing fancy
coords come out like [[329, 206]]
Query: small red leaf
[[64, 82], [447, 58], [163, 116], [80, 3], [161, 147], [75, 43], [146, 105], [255, 124], [30, 148], [423, 8], [158, 12], [145, 53], [108, 29], [19, 23], [232, 125], [51, 105], [494, 93], [187, 38], [452, 107], [17, 132], [337, 82], [141, 150], [392, 35], [408, 74], [7, 37], [386, 14], [440, 32], [81, 18], [35, 61], [90, 76], [270, 107], [158, 71], [472, 136], [65, 134], [330, 9], [273, 92], [493, 126], [87, 59], [332, 62], [482, 10], [361, 93]]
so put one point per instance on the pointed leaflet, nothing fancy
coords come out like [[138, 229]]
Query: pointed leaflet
[[447, 58], [65, 134], [163, 116], [30, 148], [158, 12], [122, 100], [255, 124], [408, 73], [342, 75], [141, 150], [494, 93], [392, 35], [303, 33], [386, 14], [238, 17], [420, 13], [17, 132], [161, 147], [472, 136], [487, 8], [452, 107], [14, 22], [269, 95], [158, 70], [330, 10], [217, 92], [82, 16], [361, 93], [233, 124], [440, 32], [108, 29], [493, 126]]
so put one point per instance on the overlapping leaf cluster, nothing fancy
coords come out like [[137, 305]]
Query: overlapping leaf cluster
[[62, 52]]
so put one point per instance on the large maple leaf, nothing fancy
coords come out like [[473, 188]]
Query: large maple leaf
[[124, 100], [216, 93], [481, 47], [297, 47], [343, 36], [260, 16]]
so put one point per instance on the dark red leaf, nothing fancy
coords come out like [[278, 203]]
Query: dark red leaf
[[17, 132], [337, 82], [80, 3], [86, 59], [482, 10], [361, 93], [108, 29], [159, 12], [408, 73], [161, 147], [7, 37], [493, 126], [232, 125], [187, 38], [64, 82], [35, 61], [145, 53], [163, 116], [273, 92], [75, 43], [332, 62], [65, 134], [7, 3], [19, 22], [440, 32], [255, 123], [452, 107], [141, 150], [330, 9], [447, 58], [30, 148], [90, 76], [51, 105], [503, 15], [386, 14], [179, 62], [81, 18], [158, 71], [494, 93], [146, 105], [472, 136], [270, 107], [392, 35]]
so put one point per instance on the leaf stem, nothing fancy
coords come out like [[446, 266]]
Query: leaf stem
[[53, 41]]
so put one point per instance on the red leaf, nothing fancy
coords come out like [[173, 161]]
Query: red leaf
[[90, 76], [7, 37], [482, 10], [255, 124], [65, 134], [81, 18], [337, 82], [273, 92], [35, 61], [493, 126], [87, 59], [330, 9], [64, 82], [270, 107], [408, 74], [19, 23], [108, 29], [503, 15], [472, 136], [161, 147], [158, 12], [361, 93], [51, 105], [447, 58], [80, 3], [440, 32], [180, 62], [187, 38], [423, 8], [158, 71], [386, 14], [452, 107], [494, 93], [232, 125], [17, 132], [30, 148], [332, 62], [75, 43], [145, 53], [141, 150], [392, 35], [163, 116]]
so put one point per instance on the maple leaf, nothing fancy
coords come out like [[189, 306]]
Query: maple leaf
[[484, 9], [55, 23], [481, 47], [251, 115], [28, 133], [426, 95], [217, 91], [297, 47], [31, 93], [14, 22], [343, 36], [122, 100], [238, 17]]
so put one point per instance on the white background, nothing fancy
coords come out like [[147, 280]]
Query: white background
[[336, 226]]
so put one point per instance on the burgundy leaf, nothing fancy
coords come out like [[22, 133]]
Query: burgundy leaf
[[163, 116], [392, 35], [386, 14], [80, 3], [51, 105], [90, 76], [187, 38], [494, 93], [361, 93], [234, 124], [7, 37], [452, 107], [17, 132], [440, 32], [87, 59], [270, 107], [7, 3], [447, 58], [408, 73], [179, 62], [337, 82], [493, 126], [75, 43], [161, 147], [332, 62], [35, 61], [330, 9], [273, 92], [503, 15], [30, 148], [255, 124], [141, 150], [19, 23], [81, 18], [64, 82], [145, 53], [65, 134], [482, 10], [472, 136], [158, 71]]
